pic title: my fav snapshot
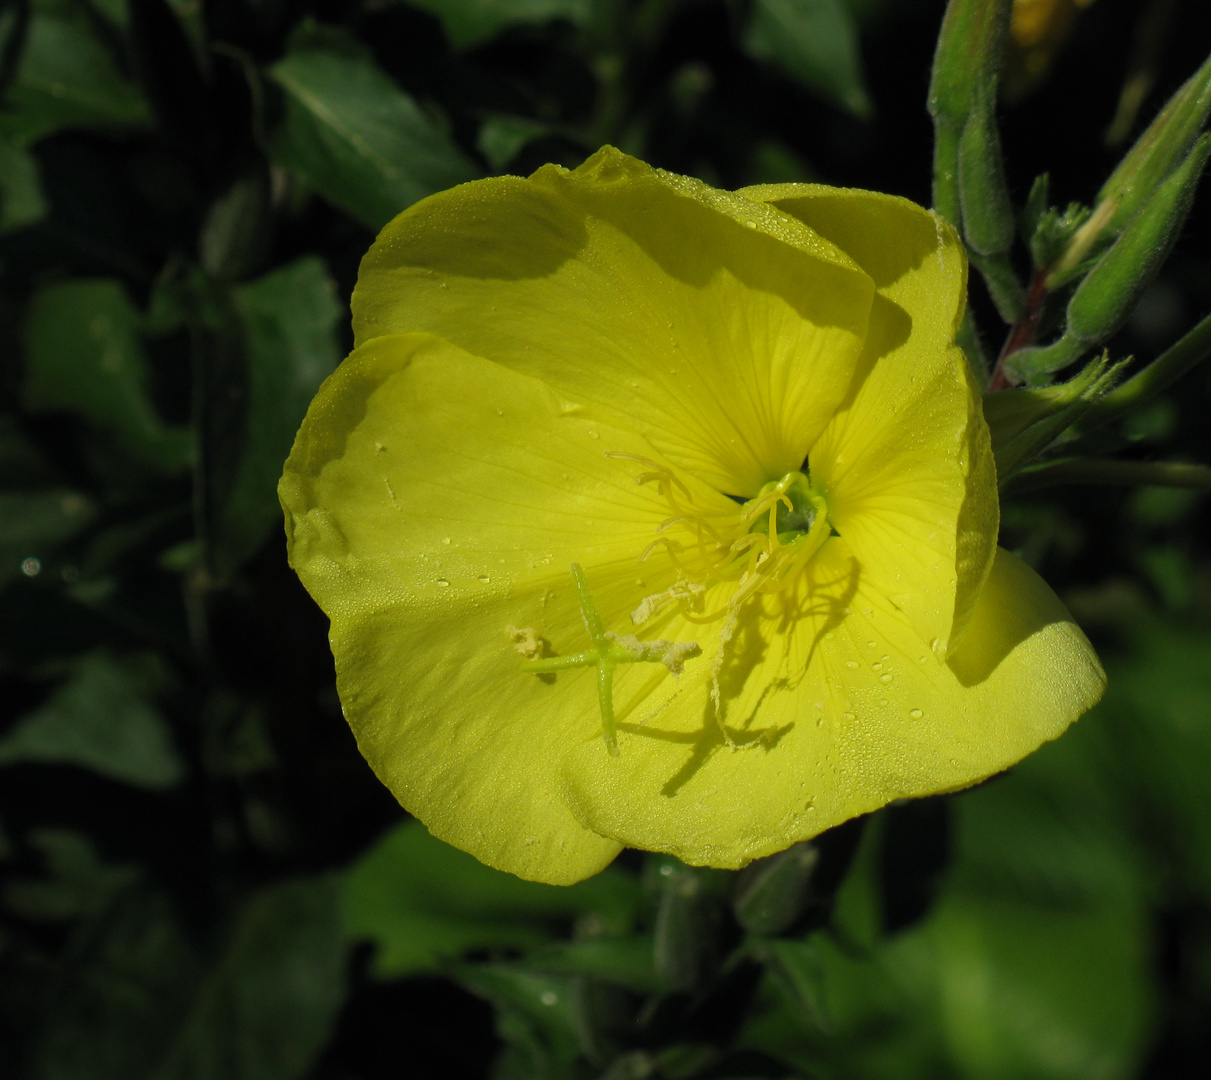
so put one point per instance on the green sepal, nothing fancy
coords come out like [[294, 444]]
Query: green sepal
[[1025, 422], [1052, 233]]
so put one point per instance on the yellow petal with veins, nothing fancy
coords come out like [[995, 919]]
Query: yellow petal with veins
[[718, 327], [906, 461]]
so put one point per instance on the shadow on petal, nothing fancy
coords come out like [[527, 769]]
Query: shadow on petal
[[1014, 605]]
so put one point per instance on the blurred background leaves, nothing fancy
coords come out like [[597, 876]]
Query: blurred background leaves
[[198, 874]]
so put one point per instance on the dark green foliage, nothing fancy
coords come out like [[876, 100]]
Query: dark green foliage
[[199, 876]]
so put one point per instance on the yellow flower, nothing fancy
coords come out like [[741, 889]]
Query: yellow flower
[[612, 417]]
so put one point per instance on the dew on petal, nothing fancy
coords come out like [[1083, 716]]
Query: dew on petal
[[916, 714]]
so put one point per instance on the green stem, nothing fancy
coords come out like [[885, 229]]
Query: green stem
[[1128, 473], [1141, 388]]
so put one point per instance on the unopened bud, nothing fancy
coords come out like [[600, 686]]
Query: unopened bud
[[1106, 296], [1162, 149]]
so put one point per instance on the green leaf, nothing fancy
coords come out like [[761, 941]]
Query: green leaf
[[77, 881], [502, 137], [469, 22], [119, 996], [624, 961], [795, 971], [21, 200], [143, 1003], [1153, 747], [100, 719], [355, 137], [289, 320], [421, 901], [84, 353], [816, 41], [33, 524], [537, 1013], [68, 78]]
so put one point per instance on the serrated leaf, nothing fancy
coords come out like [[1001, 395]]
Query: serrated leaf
[[354, 136]]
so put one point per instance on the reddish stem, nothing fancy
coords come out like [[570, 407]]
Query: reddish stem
[[1021, 333]]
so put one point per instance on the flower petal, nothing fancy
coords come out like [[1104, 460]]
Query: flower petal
[[722, 330], [834, 708], [906, 462], [426, 521]]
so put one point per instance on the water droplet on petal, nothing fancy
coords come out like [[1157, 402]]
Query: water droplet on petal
[[916, 714], [594, 435], [445, 539], [885, 677], [443, 583], [484, 578], [851, 663]]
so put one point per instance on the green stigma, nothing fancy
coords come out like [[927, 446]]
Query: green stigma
[[790, 502]]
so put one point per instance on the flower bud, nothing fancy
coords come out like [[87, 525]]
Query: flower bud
[[1162, 148], [988, 224], [689, 914], [1105, 298], [773, 893]]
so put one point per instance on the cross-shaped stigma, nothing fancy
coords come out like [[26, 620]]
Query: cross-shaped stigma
[[607, 652]]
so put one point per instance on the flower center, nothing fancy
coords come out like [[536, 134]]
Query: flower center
[[761, 548]]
